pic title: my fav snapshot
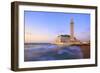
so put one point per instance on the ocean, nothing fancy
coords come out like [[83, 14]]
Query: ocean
[[46, 51]]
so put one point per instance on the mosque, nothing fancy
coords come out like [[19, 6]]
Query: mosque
[[67, 39]]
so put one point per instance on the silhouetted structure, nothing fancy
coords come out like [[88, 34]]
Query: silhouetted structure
[[68, 39]]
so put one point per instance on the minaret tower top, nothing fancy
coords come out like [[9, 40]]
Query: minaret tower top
[[72, 29], [72, 21]]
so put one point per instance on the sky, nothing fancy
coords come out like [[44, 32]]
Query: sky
[[46, 26]]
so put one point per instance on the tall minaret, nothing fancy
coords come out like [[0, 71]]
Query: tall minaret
[[72, 29]]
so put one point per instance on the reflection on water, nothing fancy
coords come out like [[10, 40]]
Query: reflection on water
[[43, 52]]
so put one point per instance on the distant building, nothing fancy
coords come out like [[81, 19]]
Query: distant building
[[63, 38], [68, 39]]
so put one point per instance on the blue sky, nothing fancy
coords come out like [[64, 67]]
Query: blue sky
[[46, 26]]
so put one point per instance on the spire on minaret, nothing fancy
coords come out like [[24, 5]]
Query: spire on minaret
[[72, 29], [72, 21]]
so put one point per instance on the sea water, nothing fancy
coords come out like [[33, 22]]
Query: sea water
[[44, 52]]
